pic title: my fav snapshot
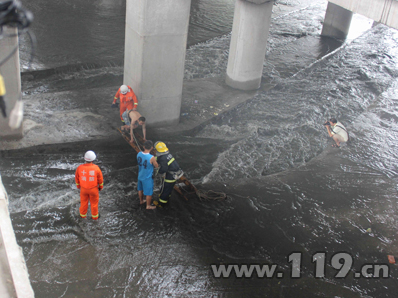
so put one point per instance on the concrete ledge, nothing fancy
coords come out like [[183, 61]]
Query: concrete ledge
[[14, 281]]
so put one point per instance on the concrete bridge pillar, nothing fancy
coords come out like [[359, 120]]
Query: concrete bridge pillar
[[248, 46], [12, 80], [155, 45], [337, 21]]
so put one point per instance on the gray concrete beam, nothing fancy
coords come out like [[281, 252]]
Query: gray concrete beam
[[155, 45], [337, 21], [248, 44], [14, 278], [12, 79], [382, 11]]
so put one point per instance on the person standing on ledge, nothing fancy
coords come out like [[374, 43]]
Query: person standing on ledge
[[89, 180], [127, 98], [337, 132], [146, 163]]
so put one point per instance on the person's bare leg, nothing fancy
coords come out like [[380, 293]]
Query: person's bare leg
[[141, 196], [148, 203], [336, 139]]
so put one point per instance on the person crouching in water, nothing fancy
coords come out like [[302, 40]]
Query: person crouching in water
[[337, 132], [89, 180], [171, 171], [146, 163]]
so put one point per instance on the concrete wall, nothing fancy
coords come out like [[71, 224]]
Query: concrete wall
[[14, 278], [12, 79], [337, 21], [248, 44], [382, 11], [155, 45]]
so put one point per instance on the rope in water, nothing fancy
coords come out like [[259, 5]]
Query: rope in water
[[211, 195], [138, 145]]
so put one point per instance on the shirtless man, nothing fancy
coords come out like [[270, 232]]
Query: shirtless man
[[133, 119]]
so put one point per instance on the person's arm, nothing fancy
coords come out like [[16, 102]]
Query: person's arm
[[131, 130], [116, 96], [154, 162], [329, 131], [77, 180], [144, 131], [100, 179]]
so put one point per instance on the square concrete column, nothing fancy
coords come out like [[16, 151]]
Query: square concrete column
[[12, 80], [250, 31], [155, 46], [337, 21]]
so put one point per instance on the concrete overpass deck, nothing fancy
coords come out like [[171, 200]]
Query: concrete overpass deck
[[382, 11]]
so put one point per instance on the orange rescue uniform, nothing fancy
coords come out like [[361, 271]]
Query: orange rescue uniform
[[127, 101], [89, 180]]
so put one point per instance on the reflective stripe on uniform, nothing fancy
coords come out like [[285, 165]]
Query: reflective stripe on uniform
[[169, 181], [162, 201], [170, 161], [102, 184], [83, 215], [95, 216]]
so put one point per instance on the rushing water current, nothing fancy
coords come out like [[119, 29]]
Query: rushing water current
[[288, 190]]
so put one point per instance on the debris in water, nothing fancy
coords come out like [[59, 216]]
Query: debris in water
[[391, 259]]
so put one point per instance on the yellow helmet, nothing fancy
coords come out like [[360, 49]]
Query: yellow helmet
[[161, 147]]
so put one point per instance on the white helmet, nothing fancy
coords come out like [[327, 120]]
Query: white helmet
[[124, 89], [90, 156]]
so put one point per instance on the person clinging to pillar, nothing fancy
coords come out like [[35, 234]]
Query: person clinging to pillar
[[90, 181], [128, 100], [170, 172]]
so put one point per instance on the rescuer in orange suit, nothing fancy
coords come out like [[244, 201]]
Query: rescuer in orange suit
[[89, 180], [127, 98]]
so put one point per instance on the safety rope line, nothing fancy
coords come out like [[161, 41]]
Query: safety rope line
[[138, 145], [211, 195]]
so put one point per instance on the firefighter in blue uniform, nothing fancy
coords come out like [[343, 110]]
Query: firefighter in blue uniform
[[169, 169]]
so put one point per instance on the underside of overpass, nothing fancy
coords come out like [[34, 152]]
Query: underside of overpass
[[381, 11]]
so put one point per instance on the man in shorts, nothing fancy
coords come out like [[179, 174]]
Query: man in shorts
[[146, 162], [337, 132], [133, 119]]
